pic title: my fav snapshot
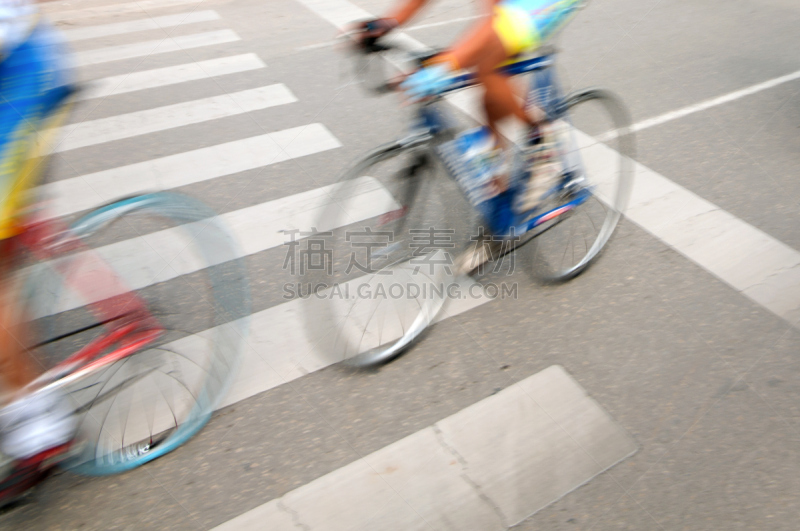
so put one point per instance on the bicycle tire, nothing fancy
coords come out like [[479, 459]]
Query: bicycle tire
[[598, 151], [394, 189], [176, 383]]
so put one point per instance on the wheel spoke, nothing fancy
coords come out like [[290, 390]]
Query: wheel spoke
[[591, 114], [382, 327]]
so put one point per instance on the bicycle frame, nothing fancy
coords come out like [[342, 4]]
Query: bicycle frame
[[129, 325], [544, 92]]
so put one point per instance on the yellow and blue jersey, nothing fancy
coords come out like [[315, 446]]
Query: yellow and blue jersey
[[524, 25], [31, 71]]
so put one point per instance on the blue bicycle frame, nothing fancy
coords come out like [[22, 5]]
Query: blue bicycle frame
[[545, 93]]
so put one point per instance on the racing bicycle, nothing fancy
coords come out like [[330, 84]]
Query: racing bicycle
[[136, 312], [398, 219]]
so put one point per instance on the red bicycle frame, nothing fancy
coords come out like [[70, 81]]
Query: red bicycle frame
[[128, 324]]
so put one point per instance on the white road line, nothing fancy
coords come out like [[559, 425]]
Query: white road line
[[141, 49], [443, 23], [409, 28], [325, 44], [119, 28], [103, 130], [162, 256], [487, 467], [752, 262], [159, 256], [55, 12], [92, 190], [171, 75], [279, 349], [340, 13], [714, 102]]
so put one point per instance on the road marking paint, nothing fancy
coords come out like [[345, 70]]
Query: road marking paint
[[120, 28], [762, 268], [442, 23], [141, 49], [714, 102], [95, 189], [340, 13], [481, 468], [55, 12], [171, 75], [139, 123], [409, 28], [752, 262], [279, 348], [325, 44], [158, 256]]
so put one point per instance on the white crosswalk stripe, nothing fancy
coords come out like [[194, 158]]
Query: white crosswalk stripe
[[55, 12], [278, 349], [120, 28], [94, 132], [88, 191], [256, 228], [158, 46], [171, 75], [477, 469]]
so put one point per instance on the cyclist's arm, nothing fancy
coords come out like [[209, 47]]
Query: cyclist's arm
[[488, 5], [480, 47]]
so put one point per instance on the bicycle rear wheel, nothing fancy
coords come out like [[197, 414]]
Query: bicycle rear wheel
[[597, 151], [181, 263], [391, 240]]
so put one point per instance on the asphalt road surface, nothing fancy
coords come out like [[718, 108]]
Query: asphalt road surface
[[676, 354]]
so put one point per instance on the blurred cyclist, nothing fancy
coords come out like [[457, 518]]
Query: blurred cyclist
[[513, 27], [33, 425]]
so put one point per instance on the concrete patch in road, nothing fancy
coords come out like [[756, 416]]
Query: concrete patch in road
[[489, 466]]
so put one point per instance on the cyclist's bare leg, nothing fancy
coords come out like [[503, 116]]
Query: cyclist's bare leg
[[16, 368], [483, 50], [30, 422], [499, 100]]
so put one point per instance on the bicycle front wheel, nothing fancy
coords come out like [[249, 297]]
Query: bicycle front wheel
[[182, 265], [596, 151], [390, 233]]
